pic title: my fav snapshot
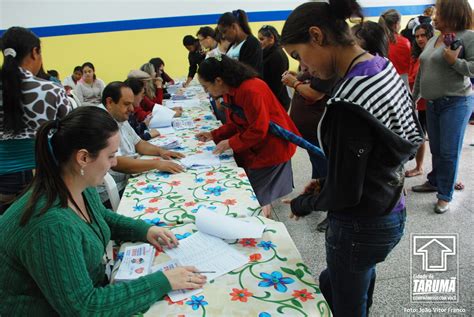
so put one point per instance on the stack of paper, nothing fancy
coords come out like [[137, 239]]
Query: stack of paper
[[162, 117], [204, 160], [167, 143], [185, 104], [183, 123], [207, 253], [136, 262], [226, 227]]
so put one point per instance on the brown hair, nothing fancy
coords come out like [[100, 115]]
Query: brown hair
[[429, 11], [456, 14], [388, 20]]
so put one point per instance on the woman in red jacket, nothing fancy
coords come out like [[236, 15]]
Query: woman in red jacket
[[399, 48], [266, 158]]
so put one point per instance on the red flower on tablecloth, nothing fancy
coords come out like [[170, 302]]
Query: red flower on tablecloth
[[189, 203], [240, 295], [167, 298], [154, 200], [229, 202], [248, 242], [255, 257], [157, 252], [175, 183], [151, 209], [242, 175], [199, 152], [209, 173], [302, 295], [200, 143], [141, 183], [211, 181]]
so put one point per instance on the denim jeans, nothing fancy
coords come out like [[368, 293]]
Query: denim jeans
[[11, 185], [447, 119], [354, 245]]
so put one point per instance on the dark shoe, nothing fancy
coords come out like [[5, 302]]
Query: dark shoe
[[425, 188], [323, 225], [441, 210]]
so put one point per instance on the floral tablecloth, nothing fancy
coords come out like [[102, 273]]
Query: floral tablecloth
[[275, 281], [163, 198]]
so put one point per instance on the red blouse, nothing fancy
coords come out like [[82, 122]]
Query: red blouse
[[399, 54], [253, 145], [414, 66]]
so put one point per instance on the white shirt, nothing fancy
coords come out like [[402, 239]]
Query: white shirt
[[68, 81], [234, 51]]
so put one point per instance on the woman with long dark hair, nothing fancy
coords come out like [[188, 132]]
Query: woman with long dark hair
[[54, 237], [275, 63], [245, 47], [89, 89], [26, 103], [250, 106], [368, 132]]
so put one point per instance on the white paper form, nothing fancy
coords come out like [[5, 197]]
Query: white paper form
[[185, 104], [162, 117], [206, 159], [207, 253], [226, 227]]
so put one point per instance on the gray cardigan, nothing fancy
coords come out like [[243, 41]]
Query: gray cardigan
[[436, 78]]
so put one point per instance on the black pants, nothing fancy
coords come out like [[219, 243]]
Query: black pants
[[11, 185]]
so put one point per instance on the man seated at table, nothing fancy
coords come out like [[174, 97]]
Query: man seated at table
[[118, 99]]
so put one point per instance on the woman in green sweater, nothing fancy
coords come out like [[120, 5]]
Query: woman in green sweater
[[53, 238]]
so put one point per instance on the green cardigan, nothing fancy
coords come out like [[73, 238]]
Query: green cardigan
[[53, 265]]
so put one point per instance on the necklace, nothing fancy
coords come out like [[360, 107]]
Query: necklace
[[92, 218], [352, 62]]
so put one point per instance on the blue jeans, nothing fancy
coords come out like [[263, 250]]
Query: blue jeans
[[447, 119], [354, 245]]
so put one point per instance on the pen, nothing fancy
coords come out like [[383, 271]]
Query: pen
[[201, 272]]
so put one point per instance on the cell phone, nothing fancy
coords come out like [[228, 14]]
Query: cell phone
[[455, 45]]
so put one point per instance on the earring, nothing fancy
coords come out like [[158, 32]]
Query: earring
[[82, 172]]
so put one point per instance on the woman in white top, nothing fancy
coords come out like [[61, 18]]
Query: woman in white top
[[211, 40], [89, 88], [70, 82]]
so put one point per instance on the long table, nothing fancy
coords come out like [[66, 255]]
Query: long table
[[275, 281]]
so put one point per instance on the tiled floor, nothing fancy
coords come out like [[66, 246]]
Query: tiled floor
[[392, 293]]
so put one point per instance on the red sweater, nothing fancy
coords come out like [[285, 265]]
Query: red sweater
[[148, 103], [414, 66], [399, 54], [253, 145]]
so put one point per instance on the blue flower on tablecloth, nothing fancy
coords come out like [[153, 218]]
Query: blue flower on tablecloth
[[225, 157], [253, 197], [206, 127], [195, 210], [266, 245], [151, 189], [216, 191], [138, 207], [162, 174], [120, 256], [182, 236], [210, 148], [156, 222], [264, 314], [276, 280], [196, 302], [209, 117], [199, 180], [179, 148]]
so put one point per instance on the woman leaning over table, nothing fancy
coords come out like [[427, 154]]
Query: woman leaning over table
[[368, 132], [443, 80], [25, 103], [266, 158], [54, 237]]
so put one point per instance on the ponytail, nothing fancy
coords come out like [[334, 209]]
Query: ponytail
[[388, 20], [237, 16], [56, 142], [16, 43], [329, 17]]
